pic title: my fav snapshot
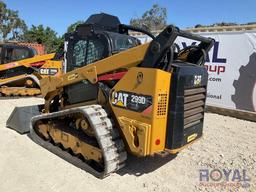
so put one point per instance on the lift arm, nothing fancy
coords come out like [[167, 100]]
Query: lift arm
[[147, 55]]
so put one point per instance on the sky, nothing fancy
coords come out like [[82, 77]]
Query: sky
[[59, 14]]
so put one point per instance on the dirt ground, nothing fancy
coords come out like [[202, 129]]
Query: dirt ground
[[228, 143]]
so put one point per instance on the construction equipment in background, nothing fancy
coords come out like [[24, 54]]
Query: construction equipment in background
[[15, 50], [21, 68], [119, 97]]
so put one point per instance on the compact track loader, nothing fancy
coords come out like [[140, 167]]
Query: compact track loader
[[21, 69], [119, 97]]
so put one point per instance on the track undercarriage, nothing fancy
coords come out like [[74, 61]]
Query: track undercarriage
[[23, 86], [84, 136]]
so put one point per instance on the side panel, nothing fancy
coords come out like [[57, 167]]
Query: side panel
[[52, 68], [139, 101]]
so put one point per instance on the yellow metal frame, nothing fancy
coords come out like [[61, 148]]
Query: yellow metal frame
[[123, 60], [27, 62], [150, 127]]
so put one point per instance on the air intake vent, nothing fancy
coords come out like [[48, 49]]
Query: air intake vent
[[194, 101], [186, 105], [162, 104]]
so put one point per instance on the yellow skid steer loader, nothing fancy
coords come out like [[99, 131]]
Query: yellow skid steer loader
[[119, 96]]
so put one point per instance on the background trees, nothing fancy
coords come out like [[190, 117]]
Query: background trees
[[11, 26], [153, 19], [72, 27], [42, 35], [223, 24]]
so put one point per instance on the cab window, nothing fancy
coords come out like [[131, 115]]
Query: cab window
[[95, 51], [15, 54], [19, 54], [124, 43], [86, 52], [79, 53]]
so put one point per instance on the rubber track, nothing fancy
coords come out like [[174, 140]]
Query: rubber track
[[109, 141], [18, 91]]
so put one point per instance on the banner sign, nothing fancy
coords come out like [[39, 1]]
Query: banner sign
[[231, 65]]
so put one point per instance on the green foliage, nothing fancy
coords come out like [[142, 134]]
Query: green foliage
[[224, 24], [14, 28], [11, 26], [46, 36], [215, 25], [153, 19], [72, 27]]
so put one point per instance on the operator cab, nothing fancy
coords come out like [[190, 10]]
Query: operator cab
[[10, 52], [99, 37]]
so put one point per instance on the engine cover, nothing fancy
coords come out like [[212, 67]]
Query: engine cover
[[186, 105]]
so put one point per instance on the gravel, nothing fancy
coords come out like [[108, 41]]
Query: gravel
[[228, 144]]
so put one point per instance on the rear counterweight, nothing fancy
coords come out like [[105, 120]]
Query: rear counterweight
[[186, 105]]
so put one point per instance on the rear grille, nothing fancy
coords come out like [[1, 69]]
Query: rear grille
[[194, 101]]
